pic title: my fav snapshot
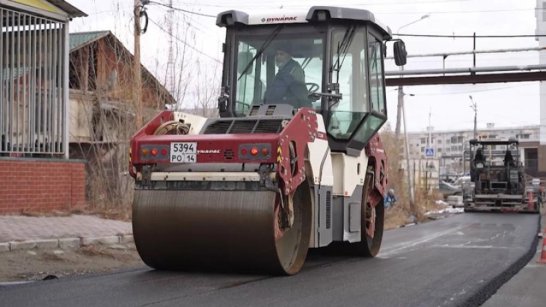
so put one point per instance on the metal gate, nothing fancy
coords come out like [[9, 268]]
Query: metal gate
[[33, 86]]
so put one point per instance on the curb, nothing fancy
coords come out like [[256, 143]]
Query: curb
[[542, 259], [65, 243]]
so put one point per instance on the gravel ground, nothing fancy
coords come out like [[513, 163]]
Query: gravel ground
[[31, 265]]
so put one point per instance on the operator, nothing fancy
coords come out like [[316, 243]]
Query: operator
[[288, 86], [508, 158]]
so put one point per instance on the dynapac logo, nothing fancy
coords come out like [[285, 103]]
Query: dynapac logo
[[279, 19]]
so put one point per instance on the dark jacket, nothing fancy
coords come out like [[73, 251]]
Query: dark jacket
[[288, 86]]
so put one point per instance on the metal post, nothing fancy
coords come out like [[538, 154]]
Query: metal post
[[2, 71], [66, 96]]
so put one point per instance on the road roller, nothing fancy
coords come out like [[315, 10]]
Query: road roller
[[292, 161]]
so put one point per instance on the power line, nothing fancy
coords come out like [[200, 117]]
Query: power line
[[182, 10], [186, 44]]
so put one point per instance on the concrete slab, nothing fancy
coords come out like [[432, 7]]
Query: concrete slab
[[4, 247], [69, 243], [126, 238], [107, 240], [47, 244], [22, 245]]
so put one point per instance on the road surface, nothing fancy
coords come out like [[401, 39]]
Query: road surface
[[460, 260]]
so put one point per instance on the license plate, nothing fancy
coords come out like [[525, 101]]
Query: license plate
[[184, 152]]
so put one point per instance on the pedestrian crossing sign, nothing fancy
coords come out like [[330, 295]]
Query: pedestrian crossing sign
[[429, 152]]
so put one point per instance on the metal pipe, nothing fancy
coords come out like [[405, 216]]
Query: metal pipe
[[446, 54], [2, 74], [56, 87], [17, 74], [40, 85], [32, 122], [48, 87], [12, 85], [25, 140], [66, 97], [538, 67]]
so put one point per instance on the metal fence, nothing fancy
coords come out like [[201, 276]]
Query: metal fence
[[33, 87]]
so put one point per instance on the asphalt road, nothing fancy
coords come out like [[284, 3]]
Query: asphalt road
[[458, 261]]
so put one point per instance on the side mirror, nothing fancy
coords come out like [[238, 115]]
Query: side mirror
[[400, 53]]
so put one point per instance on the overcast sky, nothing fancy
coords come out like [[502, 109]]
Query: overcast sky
[[504, 104]]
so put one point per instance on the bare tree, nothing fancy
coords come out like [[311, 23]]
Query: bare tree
[[206, 89]]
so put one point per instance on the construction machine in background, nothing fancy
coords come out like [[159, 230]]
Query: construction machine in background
[[500, 183], [271, 177]]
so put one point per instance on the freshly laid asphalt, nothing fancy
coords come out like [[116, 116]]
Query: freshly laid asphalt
[[525, 288]]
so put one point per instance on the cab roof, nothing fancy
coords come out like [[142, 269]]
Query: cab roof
[[314, 14]]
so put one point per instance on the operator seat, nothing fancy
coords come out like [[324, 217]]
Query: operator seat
[[479, 159]]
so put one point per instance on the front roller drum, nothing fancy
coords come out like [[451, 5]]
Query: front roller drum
[[221, 230]]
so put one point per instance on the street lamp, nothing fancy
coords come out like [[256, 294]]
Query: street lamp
[[417, 20], [401, 111]]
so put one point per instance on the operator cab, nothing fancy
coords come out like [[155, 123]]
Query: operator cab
[[339, 69]]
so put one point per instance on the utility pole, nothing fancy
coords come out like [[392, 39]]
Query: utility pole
[[399, 108], [170, 60], [410, 182], [474, 107], [137, 84], [400, 87]]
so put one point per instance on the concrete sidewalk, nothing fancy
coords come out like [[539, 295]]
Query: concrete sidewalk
[[24, 232]]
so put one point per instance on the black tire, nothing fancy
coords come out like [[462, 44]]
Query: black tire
[[370, 244]]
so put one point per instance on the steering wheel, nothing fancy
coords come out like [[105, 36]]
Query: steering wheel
[[312, 87], [246, 105]]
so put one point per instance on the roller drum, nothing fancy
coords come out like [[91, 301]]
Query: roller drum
[[220, 230]]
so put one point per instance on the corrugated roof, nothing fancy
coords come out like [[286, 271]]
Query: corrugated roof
[[80, 39]]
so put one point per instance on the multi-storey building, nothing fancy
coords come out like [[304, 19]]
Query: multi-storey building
[[450, 148]]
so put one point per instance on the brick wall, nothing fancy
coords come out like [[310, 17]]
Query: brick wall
[[40, 185]]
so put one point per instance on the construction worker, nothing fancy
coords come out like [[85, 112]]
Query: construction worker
[[288, 86], [390, 199]]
